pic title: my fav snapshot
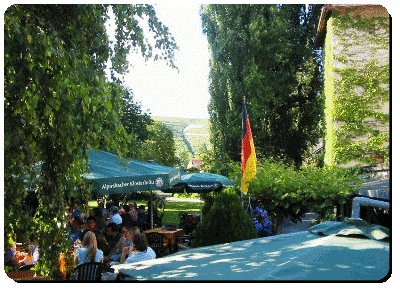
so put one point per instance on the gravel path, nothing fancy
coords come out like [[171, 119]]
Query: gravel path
[[289, 227]]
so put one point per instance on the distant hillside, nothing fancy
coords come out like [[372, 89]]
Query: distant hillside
[[189, 134]]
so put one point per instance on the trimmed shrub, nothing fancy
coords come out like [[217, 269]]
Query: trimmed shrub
[[226, 221]]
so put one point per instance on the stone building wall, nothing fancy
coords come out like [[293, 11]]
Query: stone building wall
[[356, 83]]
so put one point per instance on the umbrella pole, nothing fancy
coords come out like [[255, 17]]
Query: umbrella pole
[[151, 208], [241, 192]]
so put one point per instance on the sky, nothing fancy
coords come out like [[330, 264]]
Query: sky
[[163, 90]]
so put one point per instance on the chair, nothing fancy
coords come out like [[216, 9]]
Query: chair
[[26, 267], [185, 241], [89, 271], [156, 242], [158, 220], [170, 227], [186, 223]]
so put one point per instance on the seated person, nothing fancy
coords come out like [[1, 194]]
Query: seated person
[[76, 230], [75, 210], [126, 217], [91, 225], [10, 256], [150, 206], [142, 250], [112, 236], [89, 251], [142, 216], [33, 253], [156, 219], [100, 221], [115, 217], [129, 234], [116, 251], [133, 211]]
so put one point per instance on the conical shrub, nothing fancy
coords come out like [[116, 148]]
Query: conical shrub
[[226, 221]]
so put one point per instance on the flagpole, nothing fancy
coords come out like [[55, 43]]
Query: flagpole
[[248, 154], [241, 178]]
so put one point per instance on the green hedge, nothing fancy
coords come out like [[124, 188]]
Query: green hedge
[[286, 192], [225, 221]]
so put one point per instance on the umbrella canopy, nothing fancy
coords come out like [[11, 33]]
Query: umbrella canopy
[[201, 182], [113, 175], [329, 252]]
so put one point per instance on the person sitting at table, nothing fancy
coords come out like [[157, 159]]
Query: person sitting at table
[[156, 218], [116, 251], [104, 211], [142, 250], [76, 230], [126, 217], [142, 216], [33, 253], [75, 210], [112, 235], [11, 256], [91, 225], [89, 251], [115, 217], [100, 221], [127, 250], [133, 211], [151, 206]]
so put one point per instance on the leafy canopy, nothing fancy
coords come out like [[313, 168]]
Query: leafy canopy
[[264, 53], [59, 105]]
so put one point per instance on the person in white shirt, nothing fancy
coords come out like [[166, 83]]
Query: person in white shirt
[[143, 251], [89, 251], [115, 217]]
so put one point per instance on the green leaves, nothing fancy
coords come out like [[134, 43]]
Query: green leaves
[[360, 113], [58, 106], [259, 51], [287, 192], [130, 36], [159, 146], [226, 220], [108, 105]]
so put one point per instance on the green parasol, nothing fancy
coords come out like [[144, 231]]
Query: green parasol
[[322, 254], [201, 182], [113, 175]]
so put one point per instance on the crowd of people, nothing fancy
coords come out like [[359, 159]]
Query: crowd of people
[[112, 235], [11, 257]]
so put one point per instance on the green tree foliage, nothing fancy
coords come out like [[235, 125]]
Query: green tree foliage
[[226, 221], [134, 120], [58, 105], [265, 53], [159, 147], [286, 192]]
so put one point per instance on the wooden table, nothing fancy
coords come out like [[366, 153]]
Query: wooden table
[[169, 236]]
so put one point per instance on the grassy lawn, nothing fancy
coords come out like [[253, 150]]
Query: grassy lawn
[[172, 209]]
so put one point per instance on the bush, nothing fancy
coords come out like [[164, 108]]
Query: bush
[[286, 192], [226, 221], [261, 221]]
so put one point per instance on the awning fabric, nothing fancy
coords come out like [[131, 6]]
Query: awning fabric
[[201, 182], [113, 175], [302, 256]]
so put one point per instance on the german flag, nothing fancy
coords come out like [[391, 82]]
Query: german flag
[[249, 161]]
